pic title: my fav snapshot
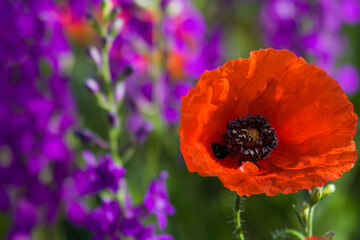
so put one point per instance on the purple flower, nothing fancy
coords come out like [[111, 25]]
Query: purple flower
[[4, 199], [105, 220], [139, 127], [148, 233], [157, 200], [189, 50], [108, 220], [171, 115], [131, 227], [77, 213], [36, 111], [98, 175], [24, 220], [282, 23], [181, 89], [348, 78], [113, 220], [350, 10], [92, 86], [311, 29]]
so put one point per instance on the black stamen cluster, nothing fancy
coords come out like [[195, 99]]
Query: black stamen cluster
[[246, 139]]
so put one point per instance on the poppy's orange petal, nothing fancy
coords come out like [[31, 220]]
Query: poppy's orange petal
[[314, 128], [277, 180], [222, 95], [201, 123], [195, 116], [308, 121], [316, 238]]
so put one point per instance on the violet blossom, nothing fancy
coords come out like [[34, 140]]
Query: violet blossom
[[187, 49], [114, 220], [156, 200], [36, 111], [99, 174], [312, 29]]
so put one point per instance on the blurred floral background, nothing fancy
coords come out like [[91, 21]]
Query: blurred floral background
[[60, 176]]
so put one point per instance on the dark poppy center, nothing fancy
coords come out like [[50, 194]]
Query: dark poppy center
[[249, 138]]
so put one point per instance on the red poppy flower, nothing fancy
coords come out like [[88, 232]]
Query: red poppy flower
[[316, 238], [268, 124]]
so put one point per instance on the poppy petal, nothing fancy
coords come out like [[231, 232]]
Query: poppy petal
[[313, 119]]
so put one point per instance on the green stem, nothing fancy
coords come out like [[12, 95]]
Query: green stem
[[295, 234], [152, 157], [106, 74], [237, 211], [309, 222], [113, 138]]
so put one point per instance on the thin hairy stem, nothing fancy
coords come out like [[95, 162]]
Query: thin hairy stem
[[237, 219]]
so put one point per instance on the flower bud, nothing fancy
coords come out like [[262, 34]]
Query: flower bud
[[91, 139], [116, 27], [92, 21], [128, 70], [174, 8], [106, 8], [92, 86], [115, 11], [95, 55], [124, 73], [86, 136], [329, 235], [119, 91], [113, 119], [138, 127], [164, 4], [105, 40], [315, 196], [304, 210], [328, 189]]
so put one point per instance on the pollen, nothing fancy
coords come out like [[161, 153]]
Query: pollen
[[249, 138]]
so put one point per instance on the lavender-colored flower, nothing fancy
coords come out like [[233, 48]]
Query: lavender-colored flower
[[105, 220], [4, 200], [92, 86], [91, 139], [108, 221], [139, 126], [36, 110], [131, 227], [24, 220], [350, 11], [186, 51], [148, 233], [77, 213], [189, 52], [312, 29], [157, 200], [113, 220], [98, 175], [348, 78], [75, 208]]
